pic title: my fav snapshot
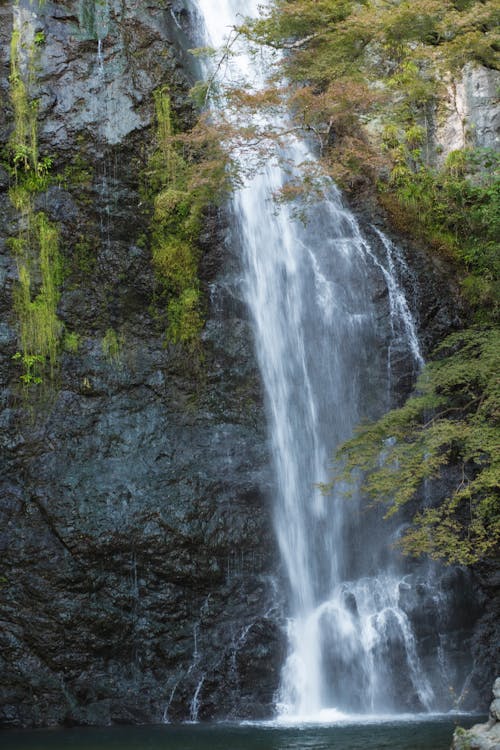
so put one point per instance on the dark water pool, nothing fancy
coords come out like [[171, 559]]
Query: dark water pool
[[401, 735]]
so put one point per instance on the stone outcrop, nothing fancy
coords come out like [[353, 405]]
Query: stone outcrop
[[470, 112], [482, 736]]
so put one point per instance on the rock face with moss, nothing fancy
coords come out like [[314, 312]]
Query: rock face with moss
[[136, 540]]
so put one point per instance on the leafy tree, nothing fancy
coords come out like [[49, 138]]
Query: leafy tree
[[451, 422]]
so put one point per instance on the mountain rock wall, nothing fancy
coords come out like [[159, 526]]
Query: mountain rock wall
[[136, 538]]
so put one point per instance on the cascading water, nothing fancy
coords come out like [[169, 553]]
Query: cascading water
[[325, 359]]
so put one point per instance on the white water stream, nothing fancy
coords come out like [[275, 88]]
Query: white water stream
[[325, 359]]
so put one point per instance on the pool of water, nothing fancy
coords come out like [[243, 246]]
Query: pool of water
[[381, 735]]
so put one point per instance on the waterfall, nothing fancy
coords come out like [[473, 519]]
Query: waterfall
[[324, 356]]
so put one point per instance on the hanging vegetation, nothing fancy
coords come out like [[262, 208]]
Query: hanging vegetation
[[186, 173], [36, 245]]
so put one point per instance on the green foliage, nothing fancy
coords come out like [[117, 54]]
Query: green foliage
[[31, 364], [186, 173], [457, 210], [23, 141], [397, 50], [452, 421], [112, 345], [36, 246], [36, 298], [71, 342], [334, 37]]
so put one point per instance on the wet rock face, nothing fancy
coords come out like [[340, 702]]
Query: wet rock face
[[487, 631], [136, 543], [430, 291]]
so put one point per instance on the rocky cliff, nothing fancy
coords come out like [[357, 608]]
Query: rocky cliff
[[136, 540]]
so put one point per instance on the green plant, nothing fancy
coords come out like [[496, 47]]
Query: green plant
[[112, 345], [37, 294], [185, 173], [71, 342], [32, 364], [456, 209], [36, 246], [450, 424]]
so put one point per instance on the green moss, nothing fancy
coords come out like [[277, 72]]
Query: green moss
[[168, 160], [175, 263], [77, 174], [185, 319], [112, 345], [179, 200], [37, 295], [71, 342], [84, 254]]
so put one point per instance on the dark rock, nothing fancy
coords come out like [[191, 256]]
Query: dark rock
[[136, 535]]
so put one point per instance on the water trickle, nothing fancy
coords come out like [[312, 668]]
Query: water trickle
[[325, 361], [400, 314], [101, 29], [166, 717], [100, 57], [195, 703], [196, 653]]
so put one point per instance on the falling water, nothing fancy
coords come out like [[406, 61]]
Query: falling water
[[101, 29], [323, 353]]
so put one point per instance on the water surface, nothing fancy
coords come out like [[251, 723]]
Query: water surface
[[389, 735]]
